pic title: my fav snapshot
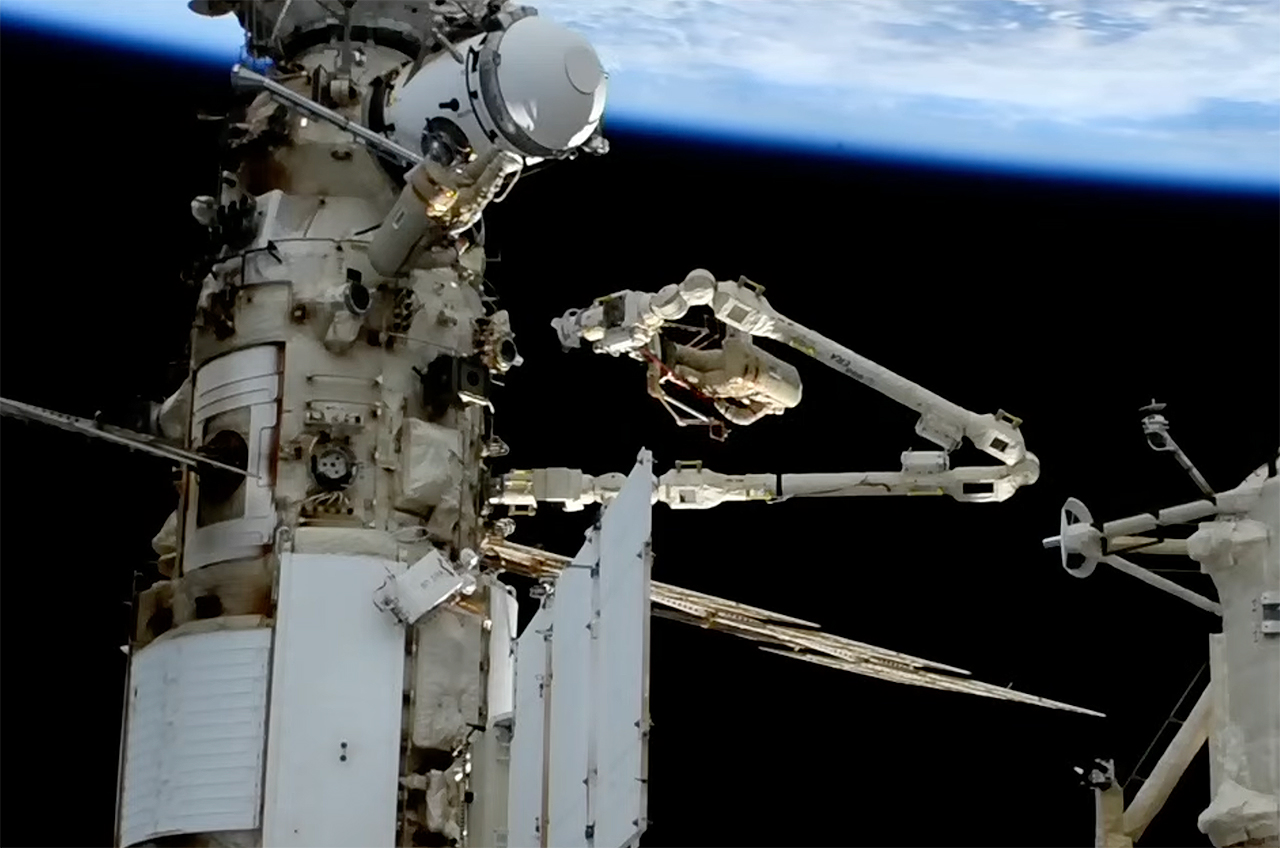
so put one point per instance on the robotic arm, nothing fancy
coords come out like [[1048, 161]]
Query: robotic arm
[[631, 322], [690, 486]]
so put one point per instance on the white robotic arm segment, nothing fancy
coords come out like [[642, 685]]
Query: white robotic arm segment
[[970, 484], [620, 323], [745, 309], [697, 289], [941, 421], [568, 487], [690, 486], [628, 321]]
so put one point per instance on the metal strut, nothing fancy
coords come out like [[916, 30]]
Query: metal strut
[[115, 435]]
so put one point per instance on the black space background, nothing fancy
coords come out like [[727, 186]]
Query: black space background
[[1069, 305]]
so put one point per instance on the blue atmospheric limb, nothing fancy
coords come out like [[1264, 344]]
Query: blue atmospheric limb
[[168, 27], [1228, 147], [971, 135]]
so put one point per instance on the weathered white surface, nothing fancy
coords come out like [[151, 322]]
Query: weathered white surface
[[430, 466], [1108, 818], [533, 695], [427, 584], [491, 750], [582, 739], [504, 614], [338, 677], [446, 694], [573, 674], [490, 781], [196, 725], [1238, 815], [443, 804], [622, 688], [1168, 770], [1241, 551]]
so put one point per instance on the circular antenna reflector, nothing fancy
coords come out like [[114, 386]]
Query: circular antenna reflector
[[1076, 564]]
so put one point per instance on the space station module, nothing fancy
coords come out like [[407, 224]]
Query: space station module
[[326, 664]]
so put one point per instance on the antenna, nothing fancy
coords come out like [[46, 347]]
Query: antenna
[[1156, 428]]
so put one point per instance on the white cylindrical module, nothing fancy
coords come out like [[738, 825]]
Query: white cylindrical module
[[438, 89], [267, 692], [503, 618], [550, 83], [535, 89]]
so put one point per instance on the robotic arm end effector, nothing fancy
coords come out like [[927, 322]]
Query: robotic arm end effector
[[627, 320], [1027, 470], [566, 327], [999, 435]]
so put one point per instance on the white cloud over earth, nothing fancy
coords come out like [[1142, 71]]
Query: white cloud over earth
[[1116, 85], [1173, 89]]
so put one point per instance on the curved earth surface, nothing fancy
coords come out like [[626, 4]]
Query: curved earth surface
[[1150, 91]]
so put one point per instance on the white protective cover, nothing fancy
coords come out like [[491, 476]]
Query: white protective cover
[[431, 465], [333, 748], [552, 82], [442, 804], [446, 692], [244, 378], [591, 764], [196, 725], [427, 584]]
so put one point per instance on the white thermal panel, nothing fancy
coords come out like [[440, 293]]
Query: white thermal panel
[[195, 732], [524, 810], [622, 685], [572, 675], [582, 740], [333, 746]]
